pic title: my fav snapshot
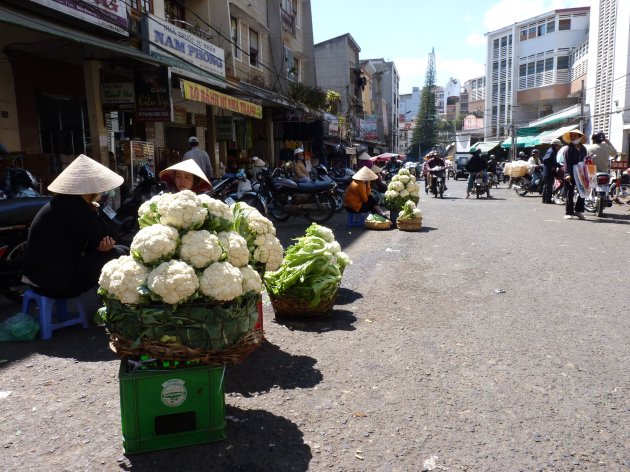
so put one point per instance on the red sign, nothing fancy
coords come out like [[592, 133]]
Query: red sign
[[618, 165]]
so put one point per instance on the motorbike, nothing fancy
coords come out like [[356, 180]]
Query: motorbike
[[18, 183], [236, 187], [529, 183], [437, 181], [284, 197], [599, 197], [16, 216], [480, 187]]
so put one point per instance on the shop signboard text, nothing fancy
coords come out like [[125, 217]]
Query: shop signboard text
[[108, 14], [153, 94], [199, 93]]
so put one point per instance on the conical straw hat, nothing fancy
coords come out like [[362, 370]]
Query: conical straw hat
[[85, 176], [376, 169], [566, 137], [187, 165], [365, 174], [364, 157]]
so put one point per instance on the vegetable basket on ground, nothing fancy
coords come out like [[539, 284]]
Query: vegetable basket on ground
[[377, 222], [410, 219], [306, 284], [190, 289]]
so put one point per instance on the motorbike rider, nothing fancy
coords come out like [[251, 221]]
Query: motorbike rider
[[601, 150], [521, 157], [358, 198], [574, 153], [534, 165], [392, 166], [68, 243], [476, 164], [434, 161], [378, 183], [185, 175], [300, 174], [550, 168]]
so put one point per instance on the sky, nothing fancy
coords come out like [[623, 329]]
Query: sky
[[405, 31]]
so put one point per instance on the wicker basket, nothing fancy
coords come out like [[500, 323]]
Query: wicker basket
[[289, 307], [407, 224], [377, 225], [234, 354]]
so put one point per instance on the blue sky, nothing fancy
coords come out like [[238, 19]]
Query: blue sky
[[404, 31]]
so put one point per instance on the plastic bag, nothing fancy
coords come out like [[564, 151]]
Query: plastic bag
[[20, 327]]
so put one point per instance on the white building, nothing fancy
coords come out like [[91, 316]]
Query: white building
[[608, 82], [409, 104], [527, 69]]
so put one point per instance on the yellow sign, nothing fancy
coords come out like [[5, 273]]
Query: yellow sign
[[199, 93]]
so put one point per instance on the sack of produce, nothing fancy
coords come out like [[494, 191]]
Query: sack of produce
[[410, 219], [377, 222], [401, 189], [19, 327], [518, 168], [190, 286], [306, 283]]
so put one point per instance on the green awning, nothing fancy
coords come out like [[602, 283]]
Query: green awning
[[485, 146], [563, 115], [521, 142], [542, 138]]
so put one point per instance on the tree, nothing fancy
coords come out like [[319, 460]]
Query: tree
[[426, 132]]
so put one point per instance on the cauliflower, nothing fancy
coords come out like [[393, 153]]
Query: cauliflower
[[404, 193], [182, 210], [200, 248], [173, 281], [412, 178], [413, 188], [410, 205], [397, 186], [221, 281], [147, 213], [395, 178], [404, 172], [268, 251], [219, 216], [391, 194], [154, 244], [235, 247], [404, 179], [249, 223], [251, 280], [121, 278], [320, 231]]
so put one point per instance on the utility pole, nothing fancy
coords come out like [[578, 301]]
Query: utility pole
[[582, 108]]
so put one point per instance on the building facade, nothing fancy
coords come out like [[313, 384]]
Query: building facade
[[527, 69]]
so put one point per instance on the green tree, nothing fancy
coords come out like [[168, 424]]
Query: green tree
[[426, 133]]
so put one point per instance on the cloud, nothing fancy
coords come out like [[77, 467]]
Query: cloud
[[507, 12], [413, 70], [476, 39]]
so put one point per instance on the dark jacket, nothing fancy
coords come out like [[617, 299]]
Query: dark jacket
[[572, 157], [550, 164], [476, 164], [62, 258]]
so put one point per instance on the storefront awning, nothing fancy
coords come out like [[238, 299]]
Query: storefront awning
[[485, 146], [562, 115], [542, 138]]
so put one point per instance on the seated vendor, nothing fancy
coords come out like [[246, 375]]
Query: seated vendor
[[185, 175], [300, 174], [358, 198], [68, 242]]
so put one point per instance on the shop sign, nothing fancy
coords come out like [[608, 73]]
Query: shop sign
[[618, 165], [153, 94], [199, 93], [165, 38], [180, 114], [368, 128], [118, 96], [225, 128], [108, 14]]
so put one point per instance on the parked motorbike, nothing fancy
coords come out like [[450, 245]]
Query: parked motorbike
[[236, 187], [18, 183], [599, 197], [16, 216], [437, 181], [529, 183], [284, 197], [480, 187]]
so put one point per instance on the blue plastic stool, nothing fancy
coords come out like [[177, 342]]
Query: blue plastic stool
[[355, 220], [53, 312]]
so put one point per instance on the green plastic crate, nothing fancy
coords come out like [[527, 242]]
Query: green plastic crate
[[168, 408]]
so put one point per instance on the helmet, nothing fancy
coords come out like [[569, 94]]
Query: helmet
[[598, 137], [521, 154], [193, 140], [298, 151], [535, 151], [556, 141]]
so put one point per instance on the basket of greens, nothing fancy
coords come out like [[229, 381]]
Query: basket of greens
[[377, 222], [410, 219], [306, 283]]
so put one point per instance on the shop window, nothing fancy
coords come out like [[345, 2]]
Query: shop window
[[254, 49], [236, 34], [564, 25], [144, 6], [174, 11], [563, 62], [551, 26], [63, 126]]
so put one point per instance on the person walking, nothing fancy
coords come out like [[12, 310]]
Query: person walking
[[550, 167], [199, 156], [574, 153]]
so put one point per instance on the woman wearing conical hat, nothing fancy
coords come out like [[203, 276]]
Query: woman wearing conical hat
[[358, 198], [68, 243], [185, 175]]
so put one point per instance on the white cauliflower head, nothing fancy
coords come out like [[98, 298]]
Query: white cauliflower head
[[412, 178], [173, 281], [404, 193], [397, 186], [181, 210], [413, 188], [404, 179], [221, 281], [248, 221], [200, 248], [154, 244], [219, 216], [235, 247], [391, 194], [404, 171], [268, 251], [251, 280], [121, 278]]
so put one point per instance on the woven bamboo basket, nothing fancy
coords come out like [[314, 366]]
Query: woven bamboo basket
[[407, 224], [377, 225], [289, 307]]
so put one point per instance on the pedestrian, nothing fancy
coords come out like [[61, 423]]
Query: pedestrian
[[550, 167], [68, 242], [574, 153], [199, 156], [474, 165]]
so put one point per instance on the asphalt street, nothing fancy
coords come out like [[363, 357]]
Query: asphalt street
[[495, 339]]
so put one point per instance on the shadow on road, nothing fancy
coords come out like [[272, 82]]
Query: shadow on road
[[338, 320], [608, 218], [257, 441], [345, 296], [426, 229], [270, 367]]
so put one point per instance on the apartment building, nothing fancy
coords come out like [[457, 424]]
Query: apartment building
[[528, 69]]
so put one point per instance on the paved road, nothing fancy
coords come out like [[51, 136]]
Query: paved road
[[493, 340]]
